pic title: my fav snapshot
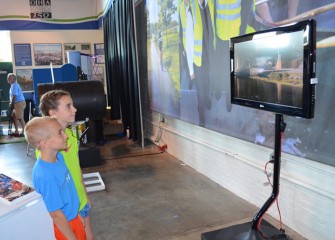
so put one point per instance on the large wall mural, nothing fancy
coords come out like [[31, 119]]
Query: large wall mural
[[189, 68]]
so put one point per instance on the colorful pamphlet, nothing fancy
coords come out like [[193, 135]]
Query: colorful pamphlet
[[13, 191]]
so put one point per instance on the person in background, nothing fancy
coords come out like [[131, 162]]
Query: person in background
[[52, 179], [160, 46], [267, 11], [204, 45], [17, 102], [186, 18], [59, 104]]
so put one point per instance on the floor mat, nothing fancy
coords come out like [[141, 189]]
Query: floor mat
[[127, 148]]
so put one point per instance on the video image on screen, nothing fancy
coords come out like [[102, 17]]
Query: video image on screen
[[274, 69], [270, 69]]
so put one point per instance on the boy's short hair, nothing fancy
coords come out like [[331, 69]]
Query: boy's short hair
[[38, 129], [50, 100]]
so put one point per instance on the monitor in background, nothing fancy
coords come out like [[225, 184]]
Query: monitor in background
[[274, 69]]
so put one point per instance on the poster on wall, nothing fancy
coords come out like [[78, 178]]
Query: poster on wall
[[46, 53], [22, 54], [99, 52], [191, 82], [84, 48], [25, 79]]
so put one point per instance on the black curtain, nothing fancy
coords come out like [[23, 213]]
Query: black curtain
[[121, 66]]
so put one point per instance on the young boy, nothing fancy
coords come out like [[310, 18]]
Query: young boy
[[52, 179], [59, 104]]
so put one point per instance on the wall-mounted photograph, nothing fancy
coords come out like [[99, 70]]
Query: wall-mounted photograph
[[80, 47], [22, 54], [46, 53], [24, 78], [99, 52]]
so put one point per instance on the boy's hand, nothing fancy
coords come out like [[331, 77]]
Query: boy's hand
[[62, 224], [89, 203], [83, 221]]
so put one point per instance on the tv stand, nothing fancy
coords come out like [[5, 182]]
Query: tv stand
[[253, 230]]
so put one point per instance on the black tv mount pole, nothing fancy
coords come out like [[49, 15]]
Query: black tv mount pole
[[279, 129], [256, 231]]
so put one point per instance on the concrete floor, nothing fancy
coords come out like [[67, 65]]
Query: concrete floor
[[149, 194]]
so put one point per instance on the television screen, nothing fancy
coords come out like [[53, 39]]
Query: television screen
[[274, 69]]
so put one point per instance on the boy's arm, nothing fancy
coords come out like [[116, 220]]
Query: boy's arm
[[82, 182], [62, 224]]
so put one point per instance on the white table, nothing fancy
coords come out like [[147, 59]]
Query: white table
[[27, 220]]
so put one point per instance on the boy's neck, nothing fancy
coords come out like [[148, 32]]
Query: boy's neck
[[64, 125], [49, 155]]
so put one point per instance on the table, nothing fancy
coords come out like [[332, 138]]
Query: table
[[28, 220]]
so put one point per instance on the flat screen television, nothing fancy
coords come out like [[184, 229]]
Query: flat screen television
[[274, 69]]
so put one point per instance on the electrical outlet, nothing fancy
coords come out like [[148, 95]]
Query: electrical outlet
[[163, 148]]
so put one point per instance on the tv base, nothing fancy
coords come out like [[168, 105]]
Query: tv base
[[243, 232]]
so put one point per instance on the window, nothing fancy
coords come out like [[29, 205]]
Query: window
[[6, 47]]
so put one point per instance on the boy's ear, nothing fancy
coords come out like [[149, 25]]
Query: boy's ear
[[52, 113], [41, 144]]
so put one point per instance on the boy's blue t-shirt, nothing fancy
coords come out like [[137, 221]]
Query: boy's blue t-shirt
[[54, 182]]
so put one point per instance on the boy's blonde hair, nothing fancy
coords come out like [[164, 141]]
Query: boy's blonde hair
[[38, 129]]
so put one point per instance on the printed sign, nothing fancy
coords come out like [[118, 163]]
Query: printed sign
[[22, 54], [40, 9]]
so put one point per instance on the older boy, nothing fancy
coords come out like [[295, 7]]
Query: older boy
[[52, 179]]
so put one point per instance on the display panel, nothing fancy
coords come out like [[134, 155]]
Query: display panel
[[274, 70]]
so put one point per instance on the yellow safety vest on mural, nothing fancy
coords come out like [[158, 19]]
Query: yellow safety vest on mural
[[228, 19], [211, 10], [198, 30], [182, 14]]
